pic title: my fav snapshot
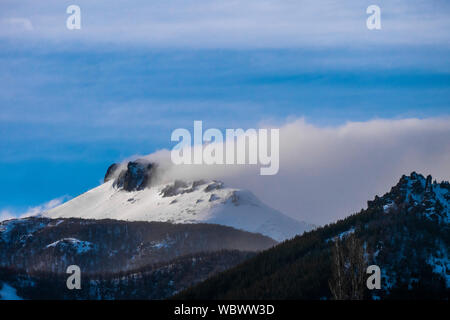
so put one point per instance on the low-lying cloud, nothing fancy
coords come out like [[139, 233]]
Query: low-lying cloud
[[327, 173]]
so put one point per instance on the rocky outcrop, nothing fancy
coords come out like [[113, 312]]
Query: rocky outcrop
[[110, 172], [180, 187], [419, 195], [136, 176]]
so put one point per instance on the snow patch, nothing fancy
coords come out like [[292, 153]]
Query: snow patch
[[342, 235], [79, 245]]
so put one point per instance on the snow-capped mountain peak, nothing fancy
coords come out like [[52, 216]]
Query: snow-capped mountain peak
[[128, 194]]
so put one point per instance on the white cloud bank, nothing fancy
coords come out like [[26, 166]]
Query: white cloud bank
[[328, 173]]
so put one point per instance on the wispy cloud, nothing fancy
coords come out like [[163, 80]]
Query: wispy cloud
[[20, 24], [6, 214]]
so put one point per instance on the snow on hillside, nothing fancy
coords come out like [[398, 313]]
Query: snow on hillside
[[79, 245], [181, 202]]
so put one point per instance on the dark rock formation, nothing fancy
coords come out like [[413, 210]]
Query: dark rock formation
[[174, 189], [110, 172], [216, 185], [137, 176]]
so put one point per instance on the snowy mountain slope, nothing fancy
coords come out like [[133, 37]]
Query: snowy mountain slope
[[179, 202]]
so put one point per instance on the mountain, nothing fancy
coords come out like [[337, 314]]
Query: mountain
[[405, 232], [136, 238], [131, 192], [118, 259], [108, 246], [154, 282]]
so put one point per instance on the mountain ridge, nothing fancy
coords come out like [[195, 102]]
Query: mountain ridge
[[99, 246], [408, 240]]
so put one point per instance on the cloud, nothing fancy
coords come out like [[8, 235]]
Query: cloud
[[20, 23], [6, 215], [33, 211], [243, 23], [327, 173]]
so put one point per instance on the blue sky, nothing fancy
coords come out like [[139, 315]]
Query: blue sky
[[72, 103]]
